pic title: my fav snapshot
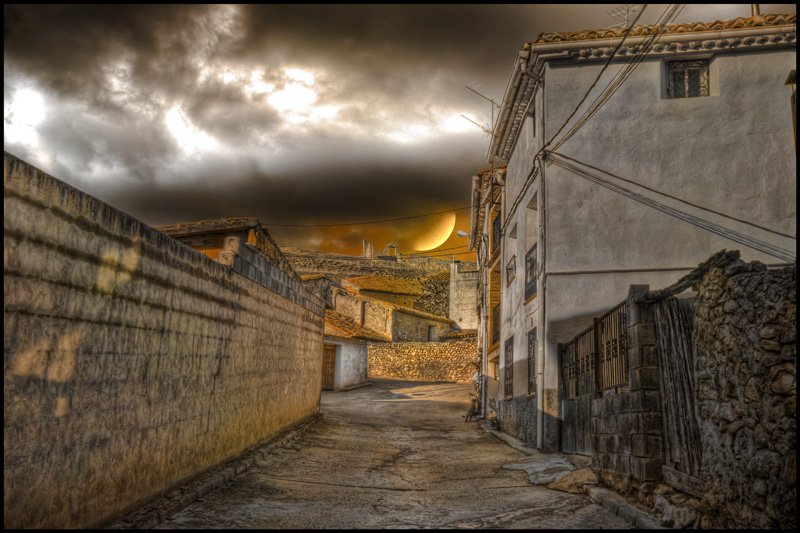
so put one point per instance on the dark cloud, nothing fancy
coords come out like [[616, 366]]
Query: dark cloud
[[113, 75]]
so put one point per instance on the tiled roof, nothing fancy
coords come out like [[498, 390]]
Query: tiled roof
[[208, 226], [641, 31], [390, 284], [417, 312], [456, 334], [344, 327]]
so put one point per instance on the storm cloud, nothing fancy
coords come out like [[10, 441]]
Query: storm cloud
[[293, 113]]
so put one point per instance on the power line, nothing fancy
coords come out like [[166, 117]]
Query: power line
[[676, 198], [363, 223], [531, 175], [624, 73], [735, 236], [599, 74]]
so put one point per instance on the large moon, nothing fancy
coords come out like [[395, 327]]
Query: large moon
[[437, 235]]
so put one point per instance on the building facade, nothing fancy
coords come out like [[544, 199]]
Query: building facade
[[577, 207]]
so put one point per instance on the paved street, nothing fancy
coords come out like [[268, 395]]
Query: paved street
[[391, 455]]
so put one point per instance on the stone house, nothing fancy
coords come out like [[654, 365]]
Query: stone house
[[703, 117]]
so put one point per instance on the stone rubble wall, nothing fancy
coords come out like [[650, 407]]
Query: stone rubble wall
[[132, 362], [745, 371], [427, 361]]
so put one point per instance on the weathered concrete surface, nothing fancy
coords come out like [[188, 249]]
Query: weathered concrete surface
[[395, 454]]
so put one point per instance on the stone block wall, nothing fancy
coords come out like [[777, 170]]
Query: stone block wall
[[627, 428], [745, 368], [427, 361], [131, 361]]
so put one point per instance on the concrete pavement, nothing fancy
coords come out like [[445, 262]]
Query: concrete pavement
[[396, 454]]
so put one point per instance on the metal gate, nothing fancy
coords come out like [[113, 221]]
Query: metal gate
[[328, 366], [577, 366]]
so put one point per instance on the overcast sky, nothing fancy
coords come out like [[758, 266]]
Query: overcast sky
[[295, 114]]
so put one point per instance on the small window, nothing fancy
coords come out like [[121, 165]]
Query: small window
[[363, 313], [509, 368], [532, 361], [687, 79], [431, 333], [511, 270], [531, 266]]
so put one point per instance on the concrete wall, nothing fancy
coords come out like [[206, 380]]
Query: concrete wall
[[463, 296], [429, 361], [745, 379], [132, 362]]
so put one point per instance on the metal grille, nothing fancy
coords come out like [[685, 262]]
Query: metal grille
[[509, 368], [511, 270], [688, 79], [530, 272], [532, 361], [612, 342], [496, 233], [568, 370], [596, 359]]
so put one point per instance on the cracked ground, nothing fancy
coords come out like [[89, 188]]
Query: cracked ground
[[395, 454]]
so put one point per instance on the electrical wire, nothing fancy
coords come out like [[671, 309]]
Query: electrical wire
[[599, 74], [735, 236], [531, 175], [363, 223], [669, 15], [676, 198]]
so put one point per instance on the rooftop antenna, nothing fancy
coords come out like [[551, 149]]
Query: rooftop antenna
[[493, 105], [623, 12], [484, 128]]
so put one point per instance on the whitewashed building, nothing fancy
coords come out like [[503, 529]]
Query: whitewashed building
[[703, 115]]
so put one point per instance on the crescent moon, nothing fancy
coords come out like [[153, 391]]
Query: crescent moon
[[438, 234]]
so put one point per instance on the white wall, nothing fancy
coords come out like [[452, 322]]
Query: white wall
[[351, 364]]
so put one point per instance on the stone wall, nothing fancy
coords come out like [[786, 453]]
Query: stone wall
[[408, 327], [428, 361], [745, 357], [131, 361]]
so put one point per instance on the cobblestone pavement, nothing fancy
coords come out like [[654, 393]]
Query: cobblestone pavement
[[395, 454]]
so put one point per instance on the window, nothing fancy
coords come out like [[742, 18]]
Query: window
[[509, 370], [496, 233], [363, 313], [431, 333], [511, 270], [532, 361], [531, 266], [687, 79]]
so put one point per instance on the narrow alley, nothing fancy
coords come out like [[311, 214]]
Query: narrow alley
[[394, 454]]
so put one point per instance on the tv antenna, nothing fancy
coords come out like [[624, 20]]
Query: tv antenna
[[493, 105], [623, 12]]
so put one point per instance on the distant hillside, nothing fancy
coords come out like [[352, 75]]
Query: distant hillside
[[340, 266]]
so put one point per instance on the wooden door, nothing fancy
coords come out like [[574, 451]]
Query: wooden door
[[328, 366]]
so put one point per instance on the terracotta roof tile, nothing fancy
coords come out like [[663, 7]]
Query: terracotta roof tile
[[688, 27], [344, 327], [390, 284]]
